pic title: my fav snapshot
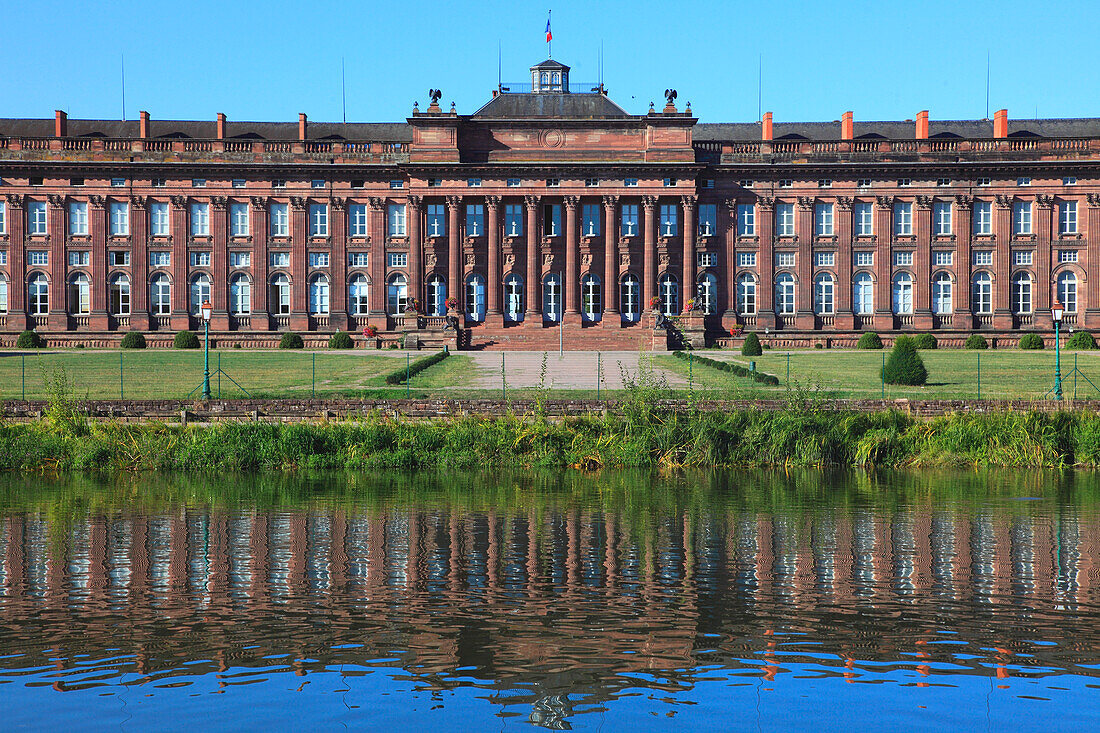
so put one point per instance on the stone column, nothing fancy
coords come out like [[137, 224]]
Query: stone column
[[57, 235], [492, 295], [1002, 259], [219, 265], [884, 286], [181, 288], [649, 253], [139, 263], [727, 228], [963, 320], [338, 264], [299, 264], [804, 266], [572, 276], [765, 285], [687, 266], [1092, 262], [610, 258], [97, 274], [258, 213], [534, 302], [376, 227], [845, 320], [922, 265], [414, 210], [18, 310], [454, 253]]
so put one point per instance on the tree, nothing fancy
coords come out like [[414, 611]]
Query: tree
[[904, 365], [133, 340], [976, 341], [751, 346], [341, 340], [1031, 341], [186, 340], [1081, 340], [29, 340], [869, 340], [925, 341], [291, 340]]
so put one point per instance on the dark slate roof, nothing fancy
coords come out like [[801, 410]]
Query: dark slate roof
[[552, 105], [206, 130], [897, 130], [550, 64]]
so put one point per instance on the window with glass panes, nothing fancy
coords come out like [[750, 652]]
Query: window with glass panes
[[668, 290], [359, 295], [590, 220], [942, 287], [784, 220], [1021, 293], [1021, 217], [78, 218], [280, 259], [863, 294], [38, 257], [318, 259], [865, 259], [318, 295], [240, 259], [1067, 291], [746, 294], [240, 295], [161, 295], [983, 257], [395, 220], [118, 217], [628, 218], [437, 220], [746, 220], [824, 259], [158, 215], [279, 221], [784, 294], [903, 218], [1022, 257], [551, 220], [941, 218], [202, 259], [942, 259], [629, 296], [160, 259], [551, 297], [669, 220], [358, 259], [983, 217], [903, 293], [746, 259], [823, 294], [358, 220], [823, 220], [513, 297], [708, 220], [318, 220], [1067, 217], [784, 259], [982, 298], [903, 259], [200, 220], [238, 220], [513, 220], [36, 218], [475, 220], [864, 213]]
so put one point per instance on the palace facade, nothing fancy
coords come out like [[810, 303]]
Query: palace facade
[[549, 207]]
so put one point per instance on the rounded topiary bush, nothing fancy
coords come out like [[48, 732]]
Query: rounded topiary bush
[[976, 341], [925, 341], [1031, 341], [869, 340], [291, 341], [751, 346], [904, 365], [29, 340], [1081, 340], [341, 340], [186, 340], [133, 340]]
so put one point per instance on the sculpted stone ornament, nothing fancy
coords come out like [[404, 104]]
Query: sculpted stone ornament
[[844, 202]]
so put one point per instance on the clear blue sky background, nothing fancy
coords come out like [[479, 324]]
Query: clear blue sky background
[[272, 60]]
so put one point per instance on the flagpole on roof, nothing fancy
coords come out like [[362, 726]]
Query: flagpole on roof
[[549, 37]]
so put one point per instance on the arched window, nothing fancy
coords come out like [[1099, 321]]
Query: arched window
[[863, 294], [551, 297], [240, 295], [591, 298], [1067, 291], [707, 300], [3, 294], [359, 295], [903, 293], [80, 294], [397, 294], [200, 293], [983, 293], [784, 294], [746, 294], [629, 296], [475, 297], [279, 295], [669, 293], [120, 295], [437, 296], [513, 297], [1021, 293], [160, 295], [942, 301], [38, 291], [318, 295], [823, 294]]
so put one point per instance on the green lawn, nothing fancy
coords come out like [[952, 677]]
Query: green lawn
[[951, 373]]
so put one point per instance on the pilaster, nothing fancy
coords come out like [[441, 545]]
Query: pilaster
[[56, 233], [454, 254], [804, 232], [492, 294], [688, 265], [258, 225], [299, 264], [765, 262], [534, 302], [845, 319], [1002, 235], [649, 253], [884, 263], [219, 264], [181, 288], [610, 259], [338, 264], [572, 276], [139, 264], [922, 265]]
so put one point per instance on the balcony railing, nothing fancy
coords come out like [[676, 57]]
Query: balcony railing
[[942, 320], [361, 150]]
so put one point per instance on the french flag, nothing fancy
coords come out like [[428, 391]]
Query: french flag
[[549, 35]]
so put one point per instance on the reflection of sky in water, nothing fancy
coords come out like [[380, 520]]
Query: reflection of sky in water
[[566, 612]]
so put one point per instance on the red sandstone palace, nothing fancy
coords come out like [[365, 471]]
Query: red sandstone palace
[[550, 207]]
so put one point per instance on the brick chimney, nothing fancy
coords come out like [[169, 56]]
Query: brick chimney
[[302, 126], [846, 126], [766, 127], [922, 125], [144, 124], [60, 123], [1000, 123], [221, 125]]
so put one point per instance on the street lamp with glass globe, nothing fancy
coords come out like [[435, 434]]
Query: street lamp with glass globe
[[1056, 313], [207, 310]]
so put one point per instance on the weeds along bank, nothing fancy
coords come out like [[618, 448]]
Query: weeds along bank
[[639, 437]]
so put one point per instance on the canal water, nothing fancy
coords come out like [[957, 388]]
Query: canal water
[[616, 601]]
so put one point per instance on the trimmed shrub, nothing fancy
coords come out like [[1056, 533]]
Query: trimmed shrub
[[341, 340], [1081, 340], [904, 365], [29, 340], [976, 341], [751, 346], [727, 366], [398, 376], [869, 340], [925, 341], [186, 340], [291, 340], [133, 340], [1031, 341]]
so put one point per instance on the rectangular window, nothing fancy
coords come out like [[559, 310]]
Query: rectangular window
[[1067, 255], [630, 182], [159, 182], [78, 218], [158, 213], [318, 220], [1023, 181], [238, 183], [708, 259], [591, 182], [865, 218], [475, 220], [943, 259], [200, 259], [745, 183], [437, 220], [823, 220], [983, 217], [393, 184], [746, 259], [1069, 181], [38, 257], [590, 220], [628, 220], [983, 257], [825, 183], [865, 259], [238, 220], [513, 220], [240, 259], [398, 259], [863, 183], [198, 183], [824, 259], [280, 259], [200, 220], [1021, 217], [278, 183], [904, 182], [3, 218], [318, 259], [708, 219], [1067, 217], [1022, 257], [119, 259], [360, 183], [160, 259], [473, 183], [36, 218], [669, 222], [279, 225], [941, 218], [669, 182], [395, 220], [553, 182], [784, 220], [903, 218], [786, 183], [119, 218], [708, 183], [551, 220], [746, 220], [3, 257], [118, 182], [76, 181], [318, 183], [943, 182], [513, 183], [784, 259], [358, 259], [357, 220], [79, 258], [903, 259], [983, 182]]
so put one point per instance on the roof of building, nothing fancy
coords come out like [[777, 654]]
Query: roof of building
[[550, 64], [551, 105]]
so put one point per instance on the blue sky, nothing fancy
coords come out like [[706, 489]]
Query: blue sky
[[272, 60]]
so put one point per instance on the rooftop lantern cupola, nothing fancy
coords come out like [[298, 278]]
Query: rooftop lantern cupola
[[550, 76]]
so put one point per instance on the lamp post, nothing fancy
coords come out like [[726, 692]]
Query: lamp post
[[1056, 313], [207, 310]]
